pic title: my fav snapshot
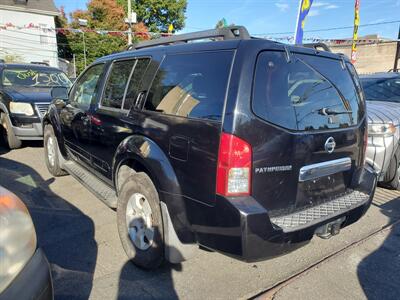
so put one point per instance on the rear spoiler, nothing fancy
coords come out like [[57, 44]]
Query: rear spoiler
[[317, 46]]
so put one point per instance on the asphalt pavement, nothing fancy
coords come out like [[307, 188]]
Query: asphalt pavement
[[78, 233]]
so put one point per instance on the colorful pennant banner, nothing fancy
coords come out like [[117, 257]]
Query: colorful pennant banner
[[304, 8], [355, 32]]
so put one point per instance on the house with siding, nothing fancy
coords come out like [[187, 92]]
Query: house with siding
[[27, 31]]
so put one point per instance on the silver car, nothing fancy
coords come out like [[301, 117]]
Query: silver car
[[382, 92]]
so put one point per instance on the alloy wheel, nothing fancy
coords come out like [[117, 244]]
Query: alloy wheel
[[139, 221], [51, 152]]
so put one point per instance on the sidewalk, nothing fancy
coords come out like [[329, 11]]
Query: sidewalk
[[367, 270]]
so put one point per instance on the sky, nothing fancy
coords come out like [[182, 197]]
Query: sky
[[270, 18]]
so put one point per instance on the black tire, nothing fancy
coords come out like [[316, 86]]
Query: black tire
[[53, 165], [152, 257], [392, 176], [9, 137]]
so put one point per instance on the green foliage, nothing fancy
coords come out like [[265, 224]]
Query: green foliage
[[101, 14], [96, 46], [61, 21], [157, 15]]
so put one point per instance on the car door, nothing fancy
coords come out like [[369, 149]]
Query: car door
[[183, 113], [75, 116], [110, 121]]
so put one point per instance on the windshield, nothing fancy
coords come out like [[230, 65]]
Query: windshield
[[35, 78], [382, 89]]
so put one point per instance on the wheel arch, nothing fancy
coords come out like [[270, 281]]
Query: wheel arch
[[144, 155], [52, 118]]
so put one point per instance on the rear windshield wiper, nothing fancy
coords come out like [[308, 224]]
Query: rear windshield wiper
[[330, 112]]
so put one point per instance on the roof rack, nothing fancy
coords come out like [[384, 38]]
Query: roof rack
[[317, 46], [226, 33]]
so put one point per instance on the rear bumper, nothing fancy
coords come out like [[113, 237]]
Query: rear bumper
[[33, 282], [243, 228]]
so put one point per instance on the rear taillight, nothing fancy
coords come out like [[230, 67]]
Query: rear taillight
[[234, 166]]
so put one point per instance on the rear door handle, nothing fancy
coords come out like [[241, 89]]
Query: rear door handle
[[139, 102]]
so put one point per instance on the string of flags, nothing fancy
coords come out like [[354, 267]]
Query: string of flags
[[290, 39], [286, 39], [9, 25]]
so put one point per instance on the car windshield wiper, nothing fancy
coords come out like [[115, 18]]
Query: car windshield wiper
[[330, 112]]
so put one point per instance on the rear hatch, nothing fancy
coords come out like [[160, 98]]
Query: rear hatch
[[308, 138]]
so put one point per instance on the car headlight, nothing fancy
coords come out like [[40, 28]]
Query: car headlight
[[381, 129], [21, 108], [17, 237]]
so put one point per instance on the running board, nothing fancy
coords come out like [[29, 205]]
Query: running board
[[100, 189]]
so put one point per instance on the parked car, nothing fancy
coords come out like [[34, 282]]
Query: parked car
[[243, 146], [24, 270], [24, 98], [382, 92]]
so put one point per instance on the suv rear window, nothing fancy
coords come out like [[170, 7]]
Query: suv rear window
[[191, 85], [308, 93]]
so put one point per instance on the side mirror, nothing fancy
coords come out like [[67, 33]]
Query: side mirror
[[59, 92]]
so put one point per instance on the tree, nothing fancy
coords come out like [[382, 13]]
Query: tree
[[64, 50], [110, 15], [101, 14], [157, 15], [97, 45]]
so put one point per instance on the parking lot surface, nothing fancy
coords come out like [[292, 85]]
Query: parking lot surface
[[368, 270], [79, 236]]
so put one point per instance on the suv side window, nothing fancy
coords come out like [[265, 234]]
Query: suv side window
[[134, 83], [191, 85], [85, 89], [114, 89]]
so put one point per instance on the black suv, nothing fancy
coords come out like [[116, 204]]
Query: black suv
[[244, 146], [25, 94]]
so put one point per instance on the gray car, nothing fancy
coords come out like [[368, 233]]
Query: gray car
[[382, 92]]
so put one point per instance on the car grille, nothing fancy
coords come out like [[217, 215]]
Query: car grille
[[42, 108], [319, 213]]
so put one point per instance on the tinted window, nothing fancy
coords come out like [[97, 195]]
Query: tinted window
[[191, 85], [86, 88], [337, 73], [116, 83], [134, 83], [382, 89], [296, 96]]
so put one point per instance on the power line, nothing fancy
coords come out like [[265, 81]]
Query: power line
[[332, 28], [27, 48]]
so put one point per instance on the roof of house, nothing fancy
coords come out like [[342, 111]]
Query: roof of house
[[44, 7]]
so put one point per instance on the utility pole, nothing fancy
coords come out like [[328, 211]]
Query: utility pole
[[74, 65], [83, 23], [129, 22], [397, 57], [84, 48]]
